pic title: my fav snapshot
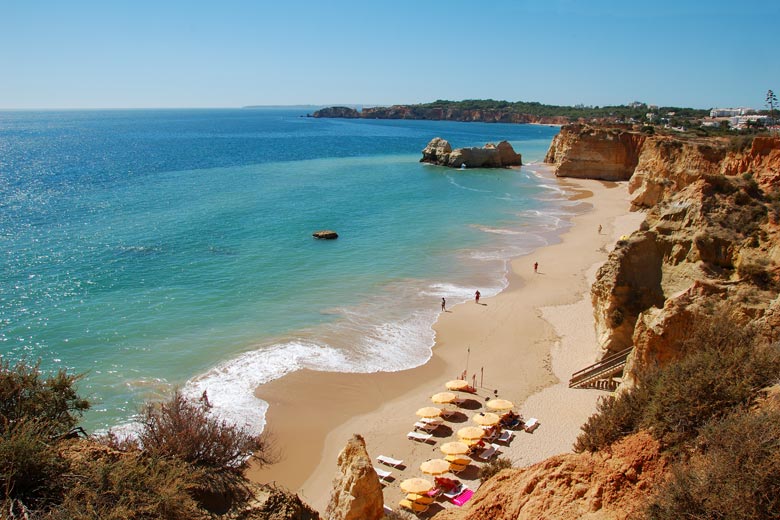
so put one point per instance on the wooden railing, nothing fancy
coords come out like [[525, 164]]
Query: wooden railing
[[600, 374]]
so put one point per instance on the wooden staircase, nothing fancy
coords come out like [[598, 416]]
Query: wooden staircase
[[602, 374]]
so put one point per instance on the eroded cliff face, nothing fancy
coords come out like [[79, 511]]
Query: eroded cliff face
[[357, 493], [593, 486], [586, 152]]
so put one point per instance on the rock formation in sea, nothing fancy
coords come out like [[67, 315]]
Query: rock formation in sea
[[357, 493], [438, 151], [325, 234]]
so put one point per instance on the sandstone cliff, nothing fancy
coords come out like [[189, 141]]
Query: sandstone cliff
[[357, 493], [606, 485], [438, 151]]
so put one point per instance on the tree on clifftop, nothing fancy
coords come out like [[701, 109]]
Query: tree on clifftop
[[771, 102]]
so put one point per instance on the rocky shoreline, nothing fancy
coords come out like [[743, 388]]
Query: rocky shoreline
[[439, 152], [438, 114]]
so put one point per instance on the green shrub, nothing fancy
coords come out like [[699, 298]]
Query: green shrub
[[132, 486], [615, 418], [723, 366], [31, 470], [185, 430], [736, 475], [492, 467], [52, 400]]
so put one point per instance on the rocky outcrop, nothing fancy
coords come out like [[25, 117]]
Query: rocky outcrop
[[357, 493], [604, 485], [340, 112], [325, 234], [441, 114], [438, 151], [586, 152], [276, 504]]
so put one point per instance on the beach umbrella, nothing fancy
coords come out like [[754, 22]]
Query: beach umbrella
[[456, 384], [443, 397], [471, 433], [435, 467], [454, 448], [428, 412], [500, 404], [416, 485], [486, 419], [460, 460]]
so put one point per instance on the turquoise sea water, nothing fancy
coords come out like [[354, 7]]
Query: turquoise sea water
[[162, 248]]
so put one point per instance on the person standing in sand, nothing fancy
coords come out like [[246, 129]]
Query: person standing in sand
[[599, 229], [476, 296], [443, 305], [536, 266]]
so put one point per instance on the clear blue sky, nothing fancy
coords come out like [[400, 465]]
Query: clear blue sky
[[139, 53]]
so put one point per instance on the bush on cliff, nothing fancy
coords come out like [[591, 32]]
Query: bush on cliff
[[736, 473], [724, 365]]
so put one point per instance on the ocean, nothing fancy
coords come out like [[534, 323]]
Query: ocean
[[157, 249]]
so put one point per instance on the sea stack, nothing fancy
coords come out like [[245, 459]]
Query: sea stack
[[325, 234], [501, 155]]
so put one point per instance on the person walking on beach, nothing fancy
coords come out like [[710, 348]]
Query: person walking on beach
[[536, 266], [443, 305], [599, 229], [476, 296]]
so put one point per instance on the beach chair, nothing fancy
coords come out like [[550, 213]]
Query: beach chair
[[488, 453], [419, 499], [505, 436], [417, 436], [464, 497], [427, 426], [531, 424], [457, 468], [413, 506], [388, 509], [390, 461], [453, 492], [382, 474]]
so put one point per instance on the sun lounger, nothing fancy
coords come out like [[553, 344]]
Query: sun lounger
[[433, 493], [457, 468], [427, 426], [382, 474], [488, 453], [505, 436], [419, 499], [417, 436], [464, 497], [388, 509], [453, 493], [414, 506], [390, 461], [531, 424]]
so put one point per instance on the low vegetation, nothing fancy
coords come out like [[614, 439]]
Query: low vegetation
[[492, 467], [724, 365], [184, 464], [702, 410]]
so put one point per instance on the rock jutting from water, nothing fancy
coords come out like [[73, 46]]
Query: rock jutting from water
[[491, 155], [325, 234]]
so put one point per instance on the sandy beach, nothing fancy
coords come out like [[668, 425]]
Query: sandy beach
[[522, 345]]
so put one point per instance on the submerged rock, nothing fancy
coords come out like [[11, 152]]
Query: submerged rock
[[326, 234]]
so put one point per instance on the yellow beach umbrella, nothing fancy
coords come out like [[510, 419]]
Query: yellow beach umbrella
[[454, 448], [435, 467], [416, 485], [428, 412], [500, 404], [456, 384], [471, 433], [460, 460], [443, 397], [486, 419]]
